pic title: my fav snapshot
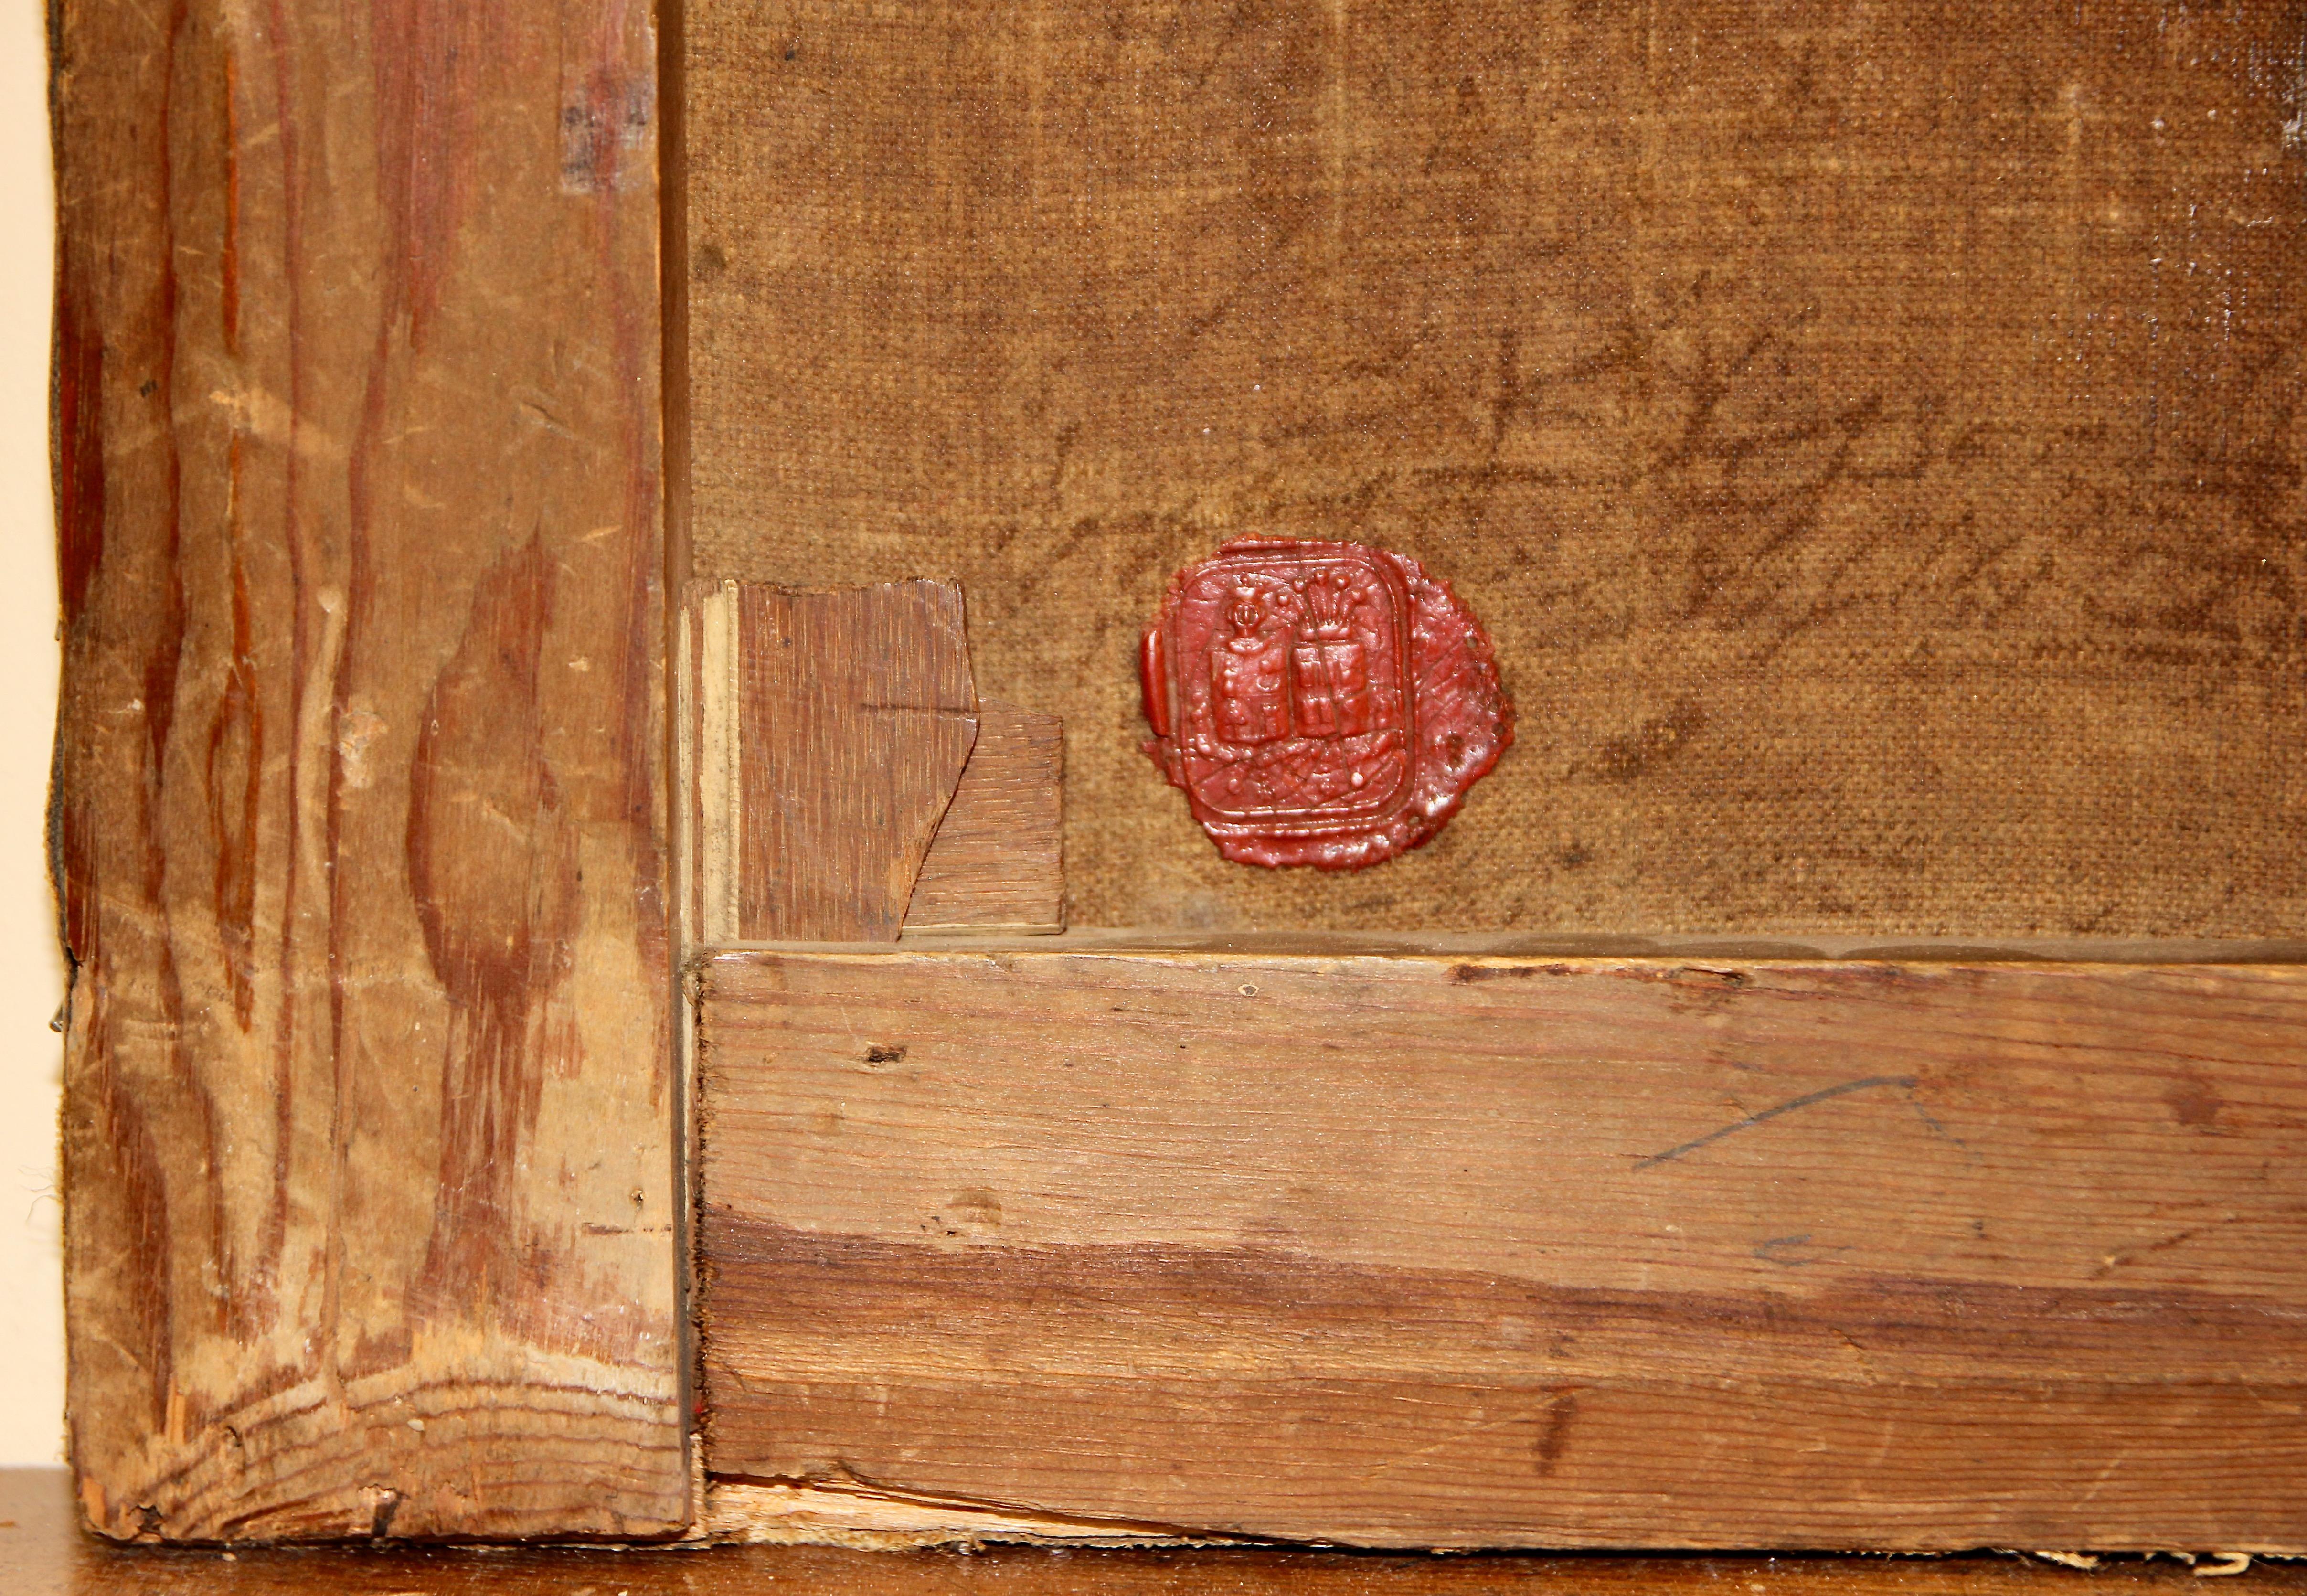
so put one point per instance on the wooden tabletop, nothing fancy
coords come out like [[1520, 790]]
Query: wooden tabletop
[[44, 1553]]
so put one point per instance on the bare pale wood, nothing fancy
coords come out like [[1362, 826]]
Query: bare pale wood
[[1464, 1249], [827, 733], [369, 1134], [998, 862]]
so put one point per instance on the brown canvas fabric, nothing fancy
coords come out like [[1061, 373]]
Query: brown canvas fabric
[[1872, 434]]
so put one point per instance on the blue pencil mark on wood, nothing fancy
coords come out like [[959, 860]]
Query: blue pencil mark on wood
[[1904, 1082]]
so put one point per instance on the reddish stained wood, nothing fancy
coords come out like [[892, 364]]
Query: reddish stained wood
[[369, 1135], [1447, 1248]]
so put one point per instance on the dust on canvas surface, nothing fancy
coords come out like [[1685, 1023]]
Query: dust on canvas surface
[[1873, 441]]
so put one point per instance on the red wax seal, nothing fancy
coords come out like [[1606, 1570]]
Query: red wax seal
[[1320, 703]]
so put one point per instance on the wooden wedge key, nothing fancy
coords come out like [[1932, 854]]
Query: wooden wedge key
[[998, 862], [843, 780]]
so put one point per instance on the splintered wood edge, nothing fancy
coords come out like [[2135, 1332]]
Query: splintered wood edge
[[783, 1512], [740, 1513]]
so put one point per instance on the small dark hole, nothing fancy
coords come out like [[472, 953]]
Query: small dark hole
[[883, 1054]]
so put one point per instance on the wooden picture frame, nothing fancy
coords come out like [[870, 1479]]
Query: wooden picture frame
[[371, 464]]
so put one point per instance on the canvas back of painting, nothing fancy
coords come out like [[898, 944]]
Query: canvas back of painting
[[1872, 436]]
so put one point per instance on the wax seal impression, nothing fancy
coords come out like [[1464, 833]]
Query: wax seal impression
[[1320, 703]]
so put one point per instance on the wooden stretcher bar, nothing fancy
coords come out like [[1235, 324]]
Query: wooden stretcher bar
[[1370, 1243]]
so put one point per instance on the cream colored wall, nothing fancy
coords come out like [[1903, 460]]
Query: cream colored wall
[[32, 973]]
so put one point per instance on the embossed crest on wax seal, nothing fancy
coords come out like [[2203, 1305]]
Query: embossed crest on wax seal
[[1320, 703]]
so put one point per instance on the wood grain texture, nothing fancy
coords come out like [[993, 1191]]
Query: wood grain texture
[[997, 861], [827, 733], [45, 1558], [1455, 1249], [369, 1125]]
